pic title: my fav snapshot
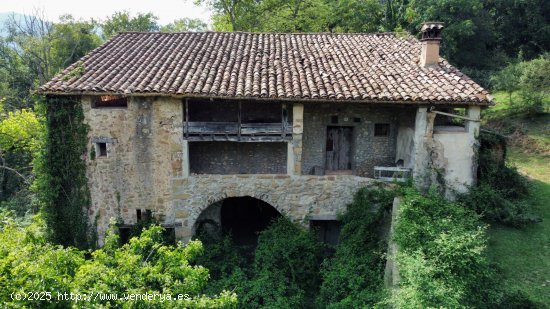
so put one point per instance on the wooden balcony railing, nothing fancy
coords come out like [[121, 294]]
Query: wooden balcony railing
[[235, 131]]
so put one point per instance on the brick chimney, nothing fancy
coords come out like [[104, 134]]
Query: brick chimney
[[431, 37]]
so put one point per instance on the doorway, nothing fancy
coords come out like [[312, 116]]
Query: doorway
[[338, 150]]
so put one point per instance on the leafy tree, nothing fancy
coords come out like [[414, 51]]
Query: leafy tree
[[521, 26], [507, 80], [144, 265], [16, 79], [123, 21], [72, 40], [36, 49], [20, 143], [395, 15], [441, 258], [354, 16], [468, 31], [535, 84], [185, 24], [232, 15], [293, 16], [530, 79]]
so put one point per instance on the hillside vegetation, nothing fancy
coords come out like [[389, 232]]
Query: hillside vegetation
[[523, 255]]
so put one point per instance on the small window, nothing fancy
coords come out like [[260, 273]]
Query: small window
[[102, 149], [106, 101], [333, 119], [381, 129], [357, 120]]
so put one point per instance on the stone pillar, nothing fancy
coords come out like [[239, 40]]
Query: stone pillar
[[295, 146], [420, 131], [185, 159], [472, 127], [290, 159]]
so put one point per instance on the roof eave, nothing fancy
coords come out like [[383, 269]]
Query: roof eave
[[253, 98]]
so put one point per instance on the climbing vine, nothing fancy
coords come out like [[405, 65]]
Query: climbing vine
[[61, 169]]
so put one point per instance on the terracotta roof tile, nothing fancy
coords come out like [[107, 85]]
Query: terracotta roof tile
[[318, 66]]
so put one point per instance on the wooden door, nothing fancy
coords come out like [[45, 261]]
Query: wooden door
[[338, 157]]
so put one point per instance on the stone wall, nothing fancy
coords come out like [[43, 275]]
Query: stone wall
[[237, 158], [147, 164], [143, 154], [367, 150], [295, 196]]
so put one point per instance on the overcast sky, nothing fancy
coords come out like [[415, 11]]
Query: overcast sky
[[166, 10]]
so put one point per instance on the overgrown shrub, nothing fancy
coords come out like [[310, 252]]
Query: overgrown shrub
[[227, 266], [353, 278], [61, 173], [501, 189], [441, 255], [288, 270], [442, 260], [284, 272], [145, 265], [286, 261]]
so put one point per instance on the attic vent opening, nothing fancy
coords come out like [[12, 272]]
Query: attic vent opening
[[106, 101]]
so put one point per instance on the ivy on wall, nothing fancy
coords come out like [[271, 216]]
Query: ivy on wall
[[62, 182]]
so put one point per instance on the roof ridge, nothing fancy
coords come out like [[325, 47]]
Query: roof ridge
[[276, 33]]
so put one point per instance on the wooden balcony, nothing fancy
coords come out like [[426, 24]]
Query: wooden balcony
[[237, 132]]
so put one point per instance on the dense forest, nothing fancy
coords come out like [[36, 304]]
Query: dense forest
[[502, 44]]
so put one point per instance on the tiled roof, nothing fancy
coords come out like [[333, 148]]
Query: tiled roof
[[380, 67]]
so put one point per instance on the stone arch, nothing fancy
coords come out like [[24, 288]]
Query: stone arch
[[244, 216], [271, 198]]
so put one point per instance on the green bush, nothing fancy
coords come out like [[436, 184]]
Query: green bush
[[493, 205], [531, 80], [441, 255], [501, 189], [353, 278], [287, 257], [145, 265], [283, 273]]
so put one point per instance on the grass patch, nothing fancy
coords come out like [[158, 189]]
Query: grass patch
[[523, 255]]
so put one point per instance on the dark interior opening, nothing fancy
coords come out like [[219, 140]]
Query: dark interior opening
[[244, 217], [381, 129], [102, 149], [327, 231]]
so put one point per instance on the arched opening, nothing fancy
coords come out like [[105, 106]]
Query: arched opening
[[241, 217], [244, 217]]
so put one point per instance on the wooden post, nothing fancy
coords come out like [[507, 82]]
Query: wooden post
[[283, 107], [186, 117], [239, 122]]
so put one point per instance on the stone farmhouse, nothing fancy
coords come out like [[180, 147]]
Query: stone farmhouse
[[227, 130]]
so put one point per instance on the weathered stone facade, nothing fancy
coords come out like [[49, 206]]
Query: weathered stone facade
[[298, 197], [144, 148], [149, 165]]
